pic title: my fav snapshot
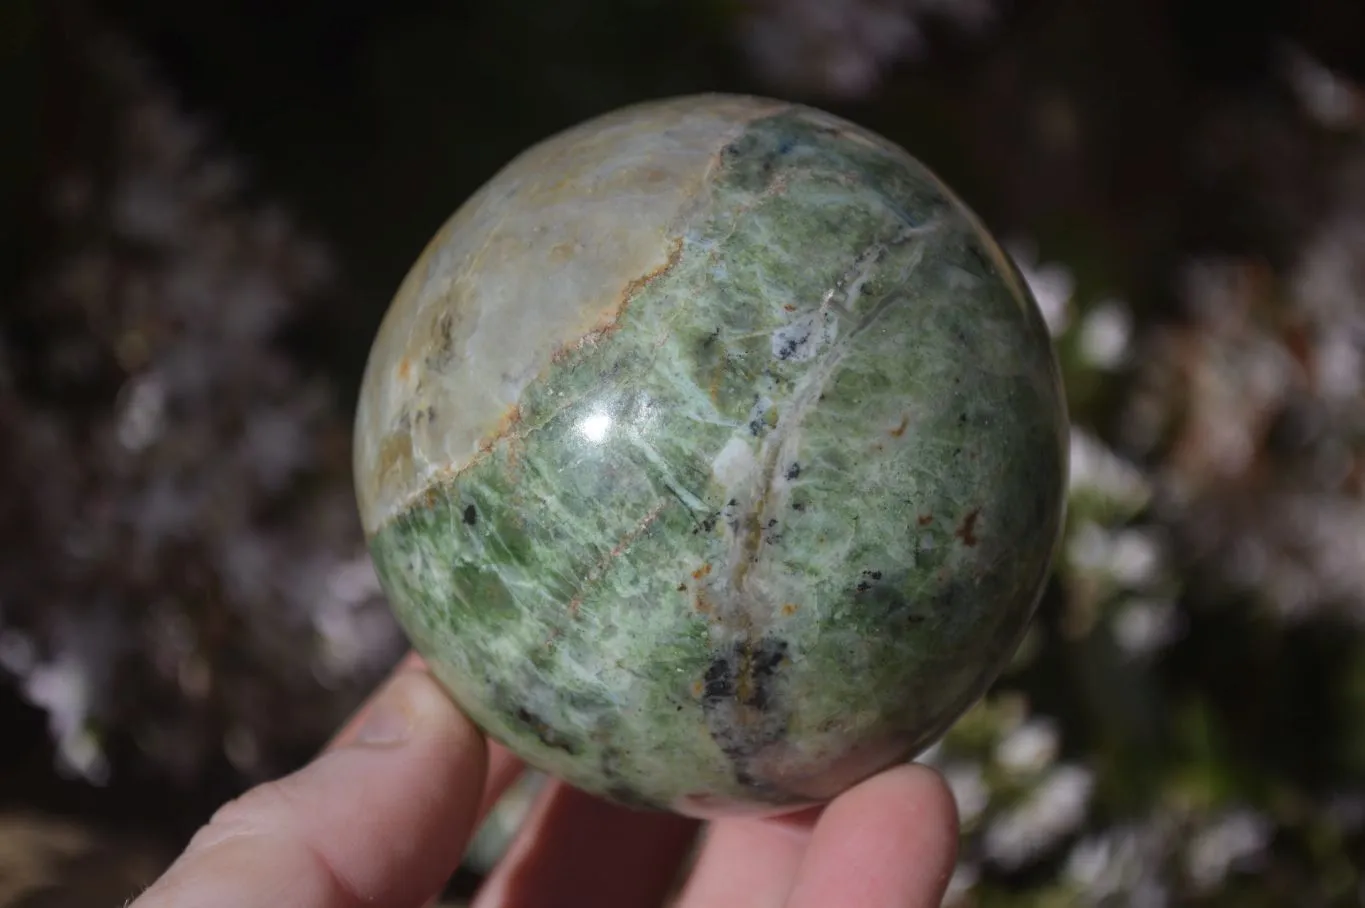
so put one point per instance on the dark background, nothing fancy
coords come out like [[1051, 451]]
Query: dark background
[[204, 209]]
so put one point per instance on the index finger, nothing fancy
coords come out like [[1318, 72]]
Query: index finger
[[381, 817], [889, 842]]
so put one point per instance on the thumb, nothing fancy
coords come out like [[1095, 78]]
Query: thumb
[[382, 817]]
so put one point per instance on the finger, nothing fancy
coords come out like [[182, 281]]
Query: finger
[[749, 863], [382, 817], [410, 662], [575, 850], [890, 842], [503, 766]]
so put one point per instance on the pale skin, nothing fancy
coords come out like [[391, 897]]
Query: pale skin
[[382, 817]]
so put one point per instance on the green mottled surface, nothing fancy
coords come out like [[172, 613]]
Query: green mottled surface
[[713, 456]]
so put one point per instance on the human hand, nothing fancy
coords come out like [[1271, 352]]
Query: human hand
[[382, 818]]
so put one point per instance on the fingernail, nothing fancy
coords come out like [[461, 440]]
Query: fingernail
[[388, 721]]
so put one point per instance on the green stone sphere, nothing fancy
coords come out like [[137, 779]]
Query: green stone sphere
[[713, 455]]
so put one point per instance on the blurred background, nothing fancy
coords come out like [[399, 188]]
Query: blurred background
[[204, 210]]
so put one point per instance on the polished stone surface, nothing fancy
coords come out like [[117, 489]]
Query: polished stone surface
[[713, 455]]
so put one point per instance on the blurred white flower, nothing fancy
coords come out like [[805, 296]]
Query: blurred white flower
[[1030, 748], [842, 48], [216, 483], [1132, 557], [1096, 468], [63, 688], [1048, 813], [1135, 557], [144, 403], [968, 785], [964, 879], [1106, 334], [1052, 284], [1121, 863], [1231, 841], [1326, 96], [1144, 626]]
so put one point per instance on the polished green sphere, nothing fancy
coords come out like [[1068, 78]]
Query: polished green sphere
[[713, 455]]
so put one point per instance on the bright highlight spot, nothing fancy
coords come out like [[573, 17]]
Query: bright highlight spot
[[594, 427]]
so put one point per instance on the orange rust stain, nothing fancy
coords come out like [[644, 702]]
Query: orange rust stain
[[605, 327], [609, 322], [966, 531], [395, 452], [599, 332], [449, 473], [703, 605], [645, 280], [513, 457], [900, 428], [789, 609], [509, 421], [925, 519], [620, 547], [696, 688], [404, 368], [627, 540], [702, 571]]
